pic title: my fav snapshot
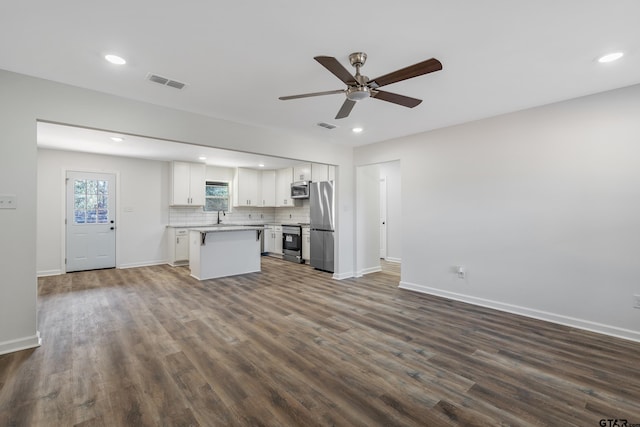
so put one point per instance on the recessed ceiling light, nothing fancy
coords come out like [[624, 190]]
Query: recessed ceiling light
[[202, 158], [610, 57], [357, 130], [261, 165], [115, 59], [117, 139]]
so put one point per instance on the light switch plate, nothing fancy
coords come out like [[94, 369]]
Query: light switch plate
[[8, 201]]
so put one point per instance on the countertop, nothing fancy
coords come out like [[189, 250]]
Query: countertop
[[223, 224], [261, 224], [223, 227]]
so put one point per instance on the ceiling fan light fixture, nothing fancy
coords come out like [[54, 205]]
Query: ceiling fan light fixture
[[358, 93]]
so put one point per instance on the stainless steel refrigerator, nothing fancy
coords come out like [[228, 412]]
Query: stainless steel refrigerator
[[321, 213]]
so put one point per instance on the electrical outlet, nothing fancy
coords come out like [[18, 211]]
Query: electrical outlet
[[637, 301], [7, 201], [461, 271]]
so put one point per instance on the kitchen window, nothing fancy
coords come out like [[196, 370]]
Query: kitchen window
[[216, 196]]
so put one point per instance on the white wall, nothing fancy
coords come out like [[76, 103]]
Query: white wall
[[18, 284], [142, 205], [368, 213], [541, 206], [25, 100], [391, 171]]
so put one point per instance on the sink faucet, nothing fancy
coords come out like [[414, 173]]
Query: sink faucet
[[219, 220]]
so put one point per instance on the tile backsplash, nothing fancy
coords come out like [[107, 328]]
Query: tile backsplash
[[187, 215]]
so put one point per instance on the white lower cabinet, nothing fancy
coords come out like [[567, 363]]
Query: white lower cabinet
[[306, 243], [269, 239], [273, 239], [277, 232], [178, 246]]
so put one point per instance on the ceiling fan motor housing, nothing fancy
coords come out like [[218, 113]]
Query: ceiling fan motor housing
[[358, 59]]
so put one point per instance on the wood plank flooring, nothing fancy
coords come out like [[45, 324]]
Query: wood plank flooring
[[289, 346]]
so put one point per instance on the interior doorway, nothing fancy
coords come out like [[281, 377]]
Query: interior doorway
[[379, 218]]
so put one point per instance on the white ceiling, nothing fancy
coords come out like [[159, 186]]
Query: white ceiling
[[238, 57]]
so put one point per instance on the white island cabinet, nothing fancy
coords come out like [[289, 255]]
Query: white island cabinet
[[224, 251]]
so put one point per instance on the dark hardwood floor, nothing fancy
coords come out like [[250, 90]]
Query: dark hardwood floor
[[289, 346]]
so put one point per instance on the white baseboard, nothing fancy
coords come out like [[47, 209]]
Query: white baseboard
[[141, 264], [20, 344], [178, 264], [343, 276], [45, 273], [392, 259], [587, 325], [368, 271]]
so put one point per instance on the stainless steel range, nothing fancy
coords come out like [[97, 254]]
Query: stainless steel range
[[292, 243]]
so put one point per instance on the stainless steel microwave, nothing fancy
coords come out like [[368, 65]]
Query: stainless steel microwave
[[300, 190]]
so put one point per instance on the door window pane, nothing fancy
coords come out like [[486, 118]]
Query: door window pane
[[91, 199]]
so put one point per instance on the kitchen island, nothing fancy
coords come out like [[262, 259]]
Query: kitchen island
[[224, 250]]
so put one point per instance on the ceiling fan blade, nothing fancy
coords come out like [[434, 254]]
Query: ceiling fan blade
[[345, 109], [332, 64], [309, 95], [405, 101], [424, 67]]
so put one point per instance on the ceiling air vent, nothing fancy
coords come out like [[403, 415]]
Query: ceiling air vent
[[165, 81], [327, 125]]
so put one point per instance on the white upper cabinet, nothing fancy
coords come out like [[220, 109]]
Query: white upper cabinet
[[187, 184], [284, 177], [268, 186], [302, 172], [246, 187], [319, 172]]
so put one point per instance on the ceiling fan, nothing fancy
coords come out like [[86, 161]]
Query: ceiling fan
[[360, 87]]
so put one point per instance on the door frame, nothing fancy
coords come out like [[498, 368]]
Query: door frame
[[63, 225], [383, 217]]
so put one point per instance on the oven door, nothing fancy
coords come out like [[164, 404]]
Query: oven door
[[292, 243]]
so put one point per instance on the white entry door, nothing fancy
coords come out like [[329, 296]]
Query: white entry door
[[91, 221]]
